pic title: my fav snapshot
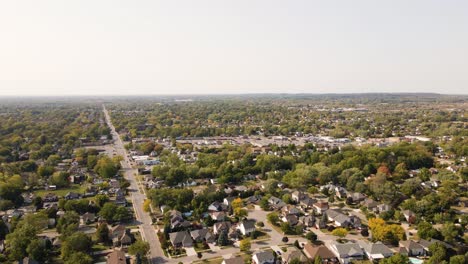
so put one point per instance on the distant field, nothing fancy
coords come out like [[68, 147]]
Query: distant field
[[62, 192]]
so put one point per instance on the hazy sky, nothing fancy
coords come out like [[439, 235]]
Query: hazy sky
[[240, 46]]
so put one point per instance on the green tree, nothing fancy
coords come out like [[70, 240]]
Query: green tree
[[139, 248], [427, 231], [77, 242], [19, 240], [458, 259], [102, 233], [3, 230], [340, 232], [37, 250], [395, 259], [438, 253], [311, 236], [106, 167], [245, 244], [273, 218], [68, 223], [223, 238], [101, 199], [318, 260], [79, 258], [60, 179], [449, 232]]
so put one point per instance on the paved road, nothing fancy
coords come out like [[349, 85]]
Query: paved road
[[147, 231]]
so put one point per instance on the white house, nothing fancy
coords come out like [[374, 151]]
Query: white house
[[247, 227]]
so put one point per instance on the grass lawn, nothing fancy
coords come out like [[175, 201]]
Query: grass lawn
[[62, 192], [217, 260], [99, 247], [261, 236]]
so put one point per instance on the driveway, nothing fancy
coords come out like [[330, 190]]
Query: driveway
[[191, 251]]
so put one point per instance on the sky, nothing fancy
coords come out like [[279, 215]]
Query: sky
[[114, 47]]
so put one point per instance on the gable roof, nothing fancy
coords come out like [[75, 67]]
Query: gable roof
[[264, 256], [180, 237], [313, 251], [234, 260], [348, 249], [116, 257], [248, 224], [376, 248], [411, 245], [293, 253]]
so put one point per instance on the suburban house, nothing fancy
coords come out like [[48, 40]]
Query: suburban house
[[427, 243], [323, 252], [342, 220], [307, 203], [410, 216], [233, 260], [72, 196], [247, 227], [307, 221], [217, 207], [122, 239], [276, 203], [340, 192], [293, 253], [87, 218], [290, 219], [347, 252], [177, 220], [369, 204], [382, 208], [218, 216], [321, 206], [413, 248], [221, 227], [356, 197], [202, 235], [263, 257], [254, 199], [376, 251], [298, 196], [181, 239], [228, 200], [290, 210], [116, 257]]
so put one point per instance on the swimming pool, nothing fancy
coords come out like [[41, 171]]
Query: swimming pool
[[415, 261]]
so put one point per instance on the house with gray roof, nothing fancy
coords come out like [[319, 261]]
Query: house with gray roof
[[413, 248], [347, 252], [247, 227], [181, 239], [263, 257], [202, 235], [276, 203], [376, 251], [233, 260]]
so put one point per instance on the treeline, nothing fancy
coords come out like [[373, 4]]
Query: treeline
[[286, 116]]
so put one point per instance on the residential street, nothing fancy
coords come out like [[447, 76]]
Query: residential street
[[147, 231]]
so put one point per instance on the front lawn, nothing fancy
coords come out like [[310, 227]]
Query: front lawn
[[63, 191]]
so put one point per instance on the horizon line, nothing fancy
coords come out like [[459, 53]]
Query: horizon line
[[225, 94]]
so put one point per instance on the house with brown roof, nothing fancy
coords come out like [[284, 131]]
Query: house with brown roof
[[312, 251], [293, 253], [116, 257]]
